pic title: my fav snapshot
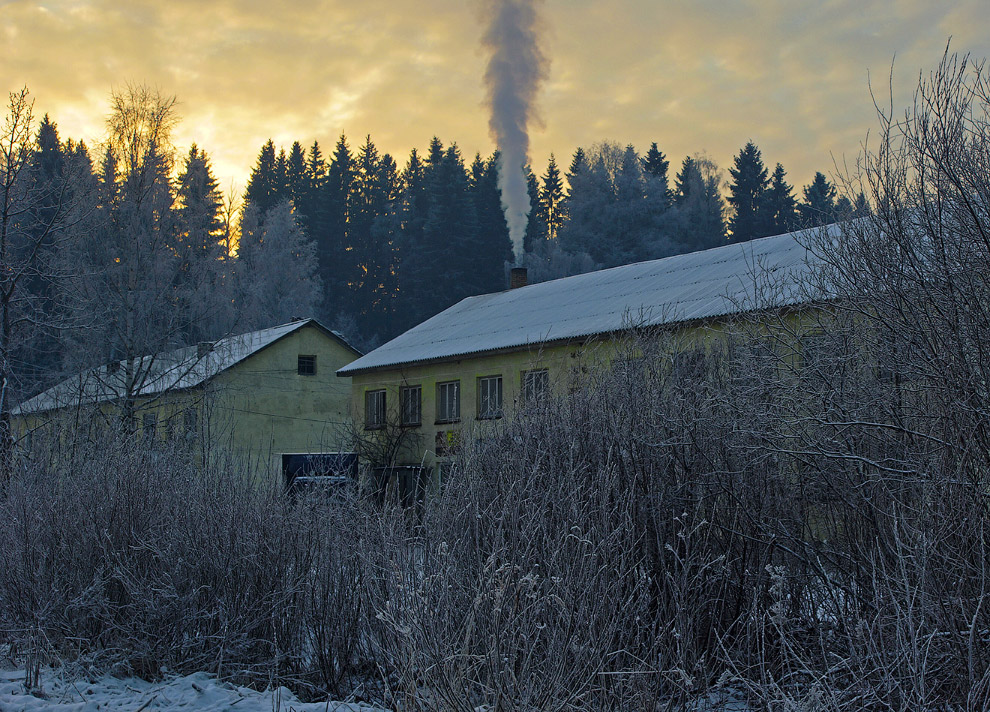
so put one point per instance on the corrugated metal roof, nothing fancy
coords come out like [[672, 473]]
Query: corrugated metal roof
[[698, 285], [172, 370]]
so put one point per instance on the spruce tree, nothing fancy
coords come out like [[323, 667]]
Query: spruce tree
[[536, 226], [199, 203], [781, 205], [655, 166], [493, 230], [296, 175], [282, 176], [699, 221], [818, 207], [747, 195], [551, 199], [263, 184], [687, 182], [332, 245]]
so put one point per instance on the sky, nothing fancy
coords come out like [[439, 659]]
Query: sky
[[793, 76]]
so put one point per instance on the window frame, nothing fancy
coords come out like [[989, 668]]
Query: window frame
[[374, 410], [310, 361], [442, 401], [404, 393], [529, 394], [485, 411]]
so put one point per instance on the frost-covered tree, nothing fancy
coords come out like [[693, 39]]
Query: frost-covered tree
[[36, 199], [136, 296], [276, 269]]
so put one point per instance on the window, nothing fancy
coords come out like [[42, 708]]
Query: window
[[306, 365], [411, 400], [374, 409], [535, 384], [149, 422], [490, 397], [189, 424], [448, 402]]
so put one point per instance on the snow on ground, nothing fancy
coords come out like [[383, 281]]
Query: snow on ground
[[198, 692]]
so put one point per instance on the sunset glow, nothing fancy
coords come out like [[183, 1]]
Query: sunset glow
[[793, 77]]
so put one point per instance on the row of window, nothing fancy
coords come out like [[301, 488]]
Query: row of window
[[149, 425], [448, 400]]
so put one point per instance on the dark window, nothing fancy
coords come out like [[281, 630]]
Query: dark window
[[306, 365], [374, 409], [536, 384], [189, 424], [411, 399], [490, 397], [149, 422], [448, 402]]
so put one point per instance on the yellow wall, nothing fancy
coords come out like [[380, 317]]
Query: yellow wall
[[565, 363], [255, 411]]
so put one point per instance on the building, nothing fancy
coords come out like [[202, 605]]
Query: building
[[268, 398], [417, 395]]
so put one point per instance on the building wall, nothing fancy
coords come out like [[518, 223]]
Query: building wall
[[566, 365], [255, 411], [262, 408]]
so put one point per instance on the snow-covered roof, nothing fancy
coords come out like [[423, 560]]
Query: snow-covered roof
[[182, 368], [758, 274]]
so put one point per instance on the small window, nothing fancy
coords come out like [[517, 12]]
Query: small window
[[189, 424], [536, 384], [411, 399], [306, 365], [149, 423], [489, 397], [374, 409], [448, 402]]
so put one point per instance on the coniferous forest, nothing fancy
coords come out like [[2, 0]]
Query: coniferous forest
[[128, 246]]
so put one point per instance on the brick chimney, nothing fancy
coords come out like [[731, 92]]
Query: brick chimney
[[517, 278]]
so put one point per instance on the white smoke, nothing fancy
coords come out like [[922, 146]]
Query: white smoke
[[515, 70]]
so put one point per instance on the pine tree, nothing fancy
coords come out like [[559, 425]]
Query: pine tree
[[818, 207], [536, 227], [263, 184], [362, 268], [551, 199], [699, 222], [579, 163], [747, 195], [333, 244], [296, 175], [781, 206], [655, 166], [492, 229], [282, 176], [199, 203], [687, 182]]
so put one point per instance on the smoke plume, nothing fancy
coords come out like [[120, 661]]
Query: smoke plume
[[515, 70]]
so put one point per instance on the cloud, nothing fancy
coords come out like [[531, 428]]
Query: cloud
[[691, 75]]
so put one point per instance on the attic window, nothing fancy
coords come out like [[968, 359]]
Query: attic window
[[306, 365]]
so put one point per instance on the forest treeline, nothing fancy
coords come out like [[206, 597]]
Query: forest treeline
[[129, 247]]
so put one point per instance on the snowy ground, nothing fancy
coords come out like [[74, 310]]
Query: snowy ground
[[199, 692]]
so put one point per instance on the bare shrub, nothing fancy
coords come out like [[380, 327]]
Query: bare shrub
[[141, 562]]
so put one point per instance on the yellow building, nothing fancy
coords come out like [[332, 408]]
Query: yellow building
[[418, 395], [269, 399]]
